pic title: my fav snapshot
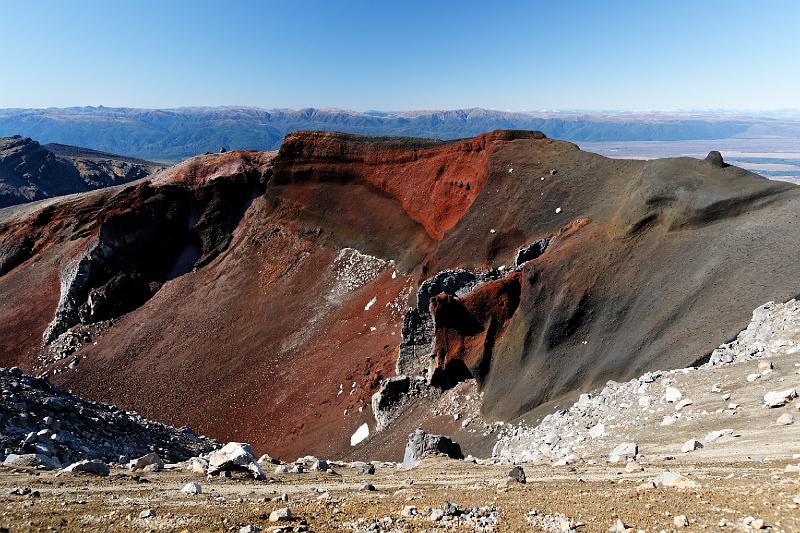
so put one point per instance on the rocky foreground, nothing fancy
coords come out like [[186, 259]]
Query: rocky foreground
[[709, 448]]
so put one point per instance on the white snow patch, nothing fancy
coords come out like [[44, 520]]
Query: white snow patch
[[361, 433]]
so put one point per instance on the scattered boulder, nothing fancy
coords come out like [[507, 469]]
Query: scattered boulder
[[151, 461], [147, 513], [251, 528], [197, 465], [779, 398], [626, 450], [597, 431], [408, 511], [785, 419], [618, 526], [95, 467], [714, 435], [192, 488], [683, 403], [320, 465], [691, 445], [369, 487], [280, 515], [681, 521], [234, 456], [673, 479], [672, 395], [31, 460], [517, 474], [633, 466], [450, 509], [265, 460], [367, 470], [421, 444]]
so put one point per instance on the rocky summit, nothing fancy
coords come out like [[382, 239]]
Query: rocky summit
[[443, 333]]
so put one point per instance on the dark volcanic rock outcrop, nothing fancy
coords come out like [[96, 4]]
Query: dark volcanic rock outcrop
[[245, 286], [30, 171]]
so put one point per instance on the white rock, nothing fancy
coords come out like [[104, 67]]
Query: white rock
[[673, 479], [785, 420], [669, 420], [672, 395], [691, 445], [92, 466], [625, 450], [680, 521], [644, 402], [618, 526], [320, 465], [249, 529], [436, 515], [280, 515], [192, 488], [31, 460], [714, 435], [197, 465], [779, 398], [597, 431], [234, 456], [551, 438], [683, 403], [752, 377], [408, 511]]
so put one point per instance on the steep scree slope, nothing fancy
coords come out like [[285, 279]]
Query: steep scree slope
[[266, 297]]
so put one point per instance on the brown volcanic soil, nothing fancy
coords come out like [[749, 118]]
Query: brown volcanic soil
[[654, 264], [592, 495]]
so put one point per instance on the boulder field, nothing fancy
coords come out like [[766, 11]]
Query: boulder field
[[289, 299]]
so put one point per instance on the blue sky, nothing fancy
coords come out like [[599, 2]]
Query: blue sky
[[606, 54]]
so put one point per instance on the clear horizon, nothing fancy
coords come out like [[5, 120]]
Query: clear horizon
[[620, 56]]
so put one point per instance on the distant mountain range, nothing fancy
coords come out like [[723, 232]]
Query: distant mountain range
[[174, 134]]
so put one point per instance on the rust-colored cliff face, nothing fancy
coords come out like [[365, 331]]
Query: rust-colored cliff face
[[435, 183], [265, 297]]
